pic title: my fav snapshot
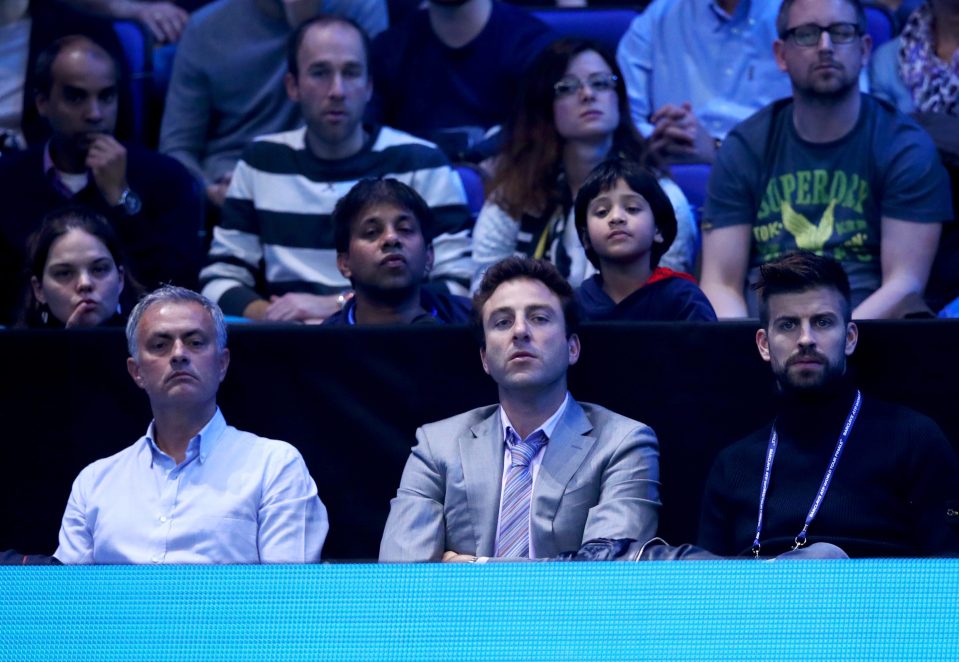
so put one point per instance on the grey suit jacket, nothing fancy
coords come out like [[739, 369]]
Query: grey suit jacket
[[599, 478]]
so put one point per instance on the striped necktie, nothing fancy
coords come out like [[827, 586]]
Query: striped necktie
[[514, 512]]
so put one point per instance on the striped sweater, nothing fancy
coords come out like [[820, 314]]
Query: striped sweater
[[276, 232]]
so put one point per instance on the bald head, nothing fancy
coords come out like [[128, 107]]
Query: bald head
[[77, 94], [73, 52]]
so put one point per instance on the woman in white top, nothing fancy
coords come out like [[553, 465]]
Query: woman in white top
[[572, 114]]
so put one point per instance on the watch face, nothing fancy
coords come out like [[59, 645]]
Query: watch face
[[131, 202]]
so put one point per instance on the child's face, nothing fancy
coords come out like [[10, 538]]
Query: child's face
[[620, 225]]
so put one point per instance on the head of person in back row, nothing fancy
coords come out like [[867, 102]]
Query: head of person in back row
[[873, 478], [383, 231], [273, 256], [121, 508], [538, 473], [626, 224], [830, 170], [571, 115]]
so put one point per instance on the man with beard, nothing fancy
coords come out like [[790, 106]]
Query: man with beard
[[830, 170], [873, 478], [383, 230], [272, 256]]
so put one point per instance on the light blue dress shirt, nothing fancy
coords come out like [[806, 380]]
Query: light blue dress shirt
[[691, 50], [235, 498]]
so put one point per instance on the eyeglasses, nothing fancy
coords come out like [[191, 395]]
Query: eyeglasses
[[810, 34], [596, 82]]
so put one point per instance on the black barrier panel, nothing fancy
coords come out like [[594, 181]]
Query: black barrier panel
[[351, 399]]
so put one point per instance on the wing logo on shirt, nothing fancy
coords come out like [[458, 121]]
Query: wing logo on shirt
[[809, 236]]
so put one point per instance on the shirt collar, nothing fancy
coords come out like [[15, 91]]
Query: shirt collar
[[548, 426], [53, 175], [204, 441]]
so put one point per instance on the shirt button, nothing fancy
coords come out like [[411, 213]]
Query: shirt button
[[163, 518], [155, 559]]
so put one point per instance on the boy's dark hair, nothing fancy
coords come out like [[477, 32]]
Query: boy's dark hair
[[782, 19], [514, 267], [372, 191], [797, 272], [43, 65], [642, 181], [296, 39]]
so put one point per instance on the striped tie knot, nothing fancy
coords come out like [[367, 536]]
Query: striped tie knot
[[523, 452]]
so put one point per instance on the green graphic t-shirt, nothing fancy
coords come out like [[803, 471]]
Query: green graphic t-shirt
[[827, 197]]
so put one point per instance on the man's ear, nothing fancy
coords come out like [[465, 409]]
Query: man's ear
[[778, 47], [292, 89], [42, 102], [762, 344], [343, 264], [852, 338], [134, 371], [224, 362], [574, 348], [483, 359], [865, 43], [430, 255]]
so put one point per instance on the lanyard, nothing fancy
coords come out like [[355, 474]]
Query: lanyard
[[823, 487]]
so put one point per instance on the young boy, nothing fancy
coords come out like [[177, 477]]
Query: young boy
[[626, 224]]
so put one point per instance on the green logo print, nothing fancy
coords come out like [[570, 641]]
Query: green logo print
[[809, 236]]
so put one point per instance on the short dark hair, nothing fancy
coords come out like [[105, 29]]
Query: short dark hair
[[800, 271], [372, 191], [782, 20], [296, 39], [514, 267], [642, 181], [43, 66], [167, 294]]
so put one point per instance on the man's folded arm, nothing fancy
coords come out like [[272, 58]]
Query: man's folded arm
[[416, 528]]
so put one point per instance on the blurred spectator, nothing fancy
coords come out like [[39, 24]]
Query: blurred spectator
[[627, 224], [25, 30], [695, 68], [572, 115], [383, 232], [77, 274], [919, 69], [451, 71], [830, 170], [226, 87], [273, 257], [150, 200]]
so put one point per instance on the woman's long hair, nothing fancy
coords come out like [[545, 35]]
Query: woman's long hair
[[531, 158]]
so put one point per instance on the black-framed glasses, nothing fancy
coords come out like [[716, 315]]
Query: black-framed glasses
[[597, 83], [810, 33]]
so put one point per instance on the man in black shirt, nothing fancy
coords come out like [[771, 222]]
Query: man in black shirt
[[876, 479]]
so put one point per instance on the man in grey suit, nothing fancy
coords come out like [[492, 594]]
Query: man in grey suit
[[538, 474]]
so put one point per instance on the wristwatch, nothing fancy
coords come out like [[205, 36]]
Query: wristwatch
[[130, 202]]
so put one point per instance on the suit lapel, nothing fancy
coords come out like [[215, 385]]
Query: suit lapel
[[481, 452], [565, 452]]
